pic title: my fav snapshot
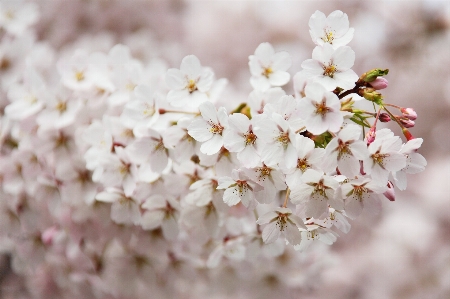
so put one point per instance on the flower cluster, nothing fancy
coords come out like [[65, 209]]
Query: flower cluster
[[91, 139]]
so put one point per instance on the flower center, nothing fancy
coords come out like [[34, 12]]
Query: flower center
[[250, 138], [216, 129], [79, 76], [61, 106], [191, 86], [379, 158], [283, 138], [322, 108], [282, 221], [329, 70], [343, 149], [328, 38], [359, 192], [302, 164], [267, 71]]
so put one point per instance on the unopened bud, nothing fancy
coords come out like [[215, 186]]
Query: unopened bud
[[384, 117], [370, 136], [379, 83], [49, 235], [390, 193], [406, 122], [372, 95], [409, 113], [373, 74]]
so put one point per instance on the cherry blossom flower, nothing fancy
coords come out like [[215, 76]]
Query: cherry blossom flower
[[161, 211], [333, 30], [384, 156], [278, 137], [309, 157], [360, 194], [124, 209], [258, 99], [314, 233], [238, 188], [240, 138], [271, 179], [316, 191], [269, 68], [331, 67], [210, 129], [279, 222], [415, 162], [346, 150], [189, 84], [321, 110]]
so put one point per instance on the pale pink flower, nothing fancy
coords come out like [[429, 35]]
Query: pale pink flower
[[238, 188], [333, 30]]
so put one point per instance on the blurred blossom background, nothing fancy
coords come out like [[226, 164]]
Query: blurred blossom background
[[404, 252]]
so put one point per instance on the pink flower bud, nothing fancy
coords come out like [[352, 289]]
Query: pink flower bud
[[384, 117], [49, 235], [407, 122], [407, 134], [409, 113], [370, 136], [390, 193], [379, 83]]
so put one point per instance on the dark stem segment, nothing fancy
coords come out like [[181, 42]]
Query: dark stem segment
[[358, 85]]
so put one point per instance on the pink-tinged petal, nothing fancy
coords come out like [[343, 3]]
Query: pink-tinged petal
[[328, 83], [416, 163], [400, 180], [312, 65], [129, 184], [126, 212], [317, 24], [264, 53], [190, 65], [350, 132], [272, 154], [177, 98], [109, 196], [338, 21], [344, 39], [317, 208], [175, 79], [353, 207], [336, 202], [297, 221], [343, 58], [206, 80], [233, 141], [271, 232], [394, 162], [170, 228], [312, 175], [213, 145], [334, 121], [222, 117], [293, 234], [279, 78], [281, 61], [328, 237], [239, 122], [152, 219], [199, 129], [301, 193], [231, 196], [159, 161], [411, 146], [359, 150], [348, 166], [316, 125], [249, 157], [267, 195], [260, 83], [195, 99], [290, 156], [146, 174], [256, 69], [209, 112], [266, 218], [346, 79], [138, 151], [278, 179], [304, 146]]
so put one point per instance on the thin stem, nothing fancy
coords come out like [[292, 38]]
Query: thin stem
[[163, 111], [394, 118], [392, 105], [286, 199]]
